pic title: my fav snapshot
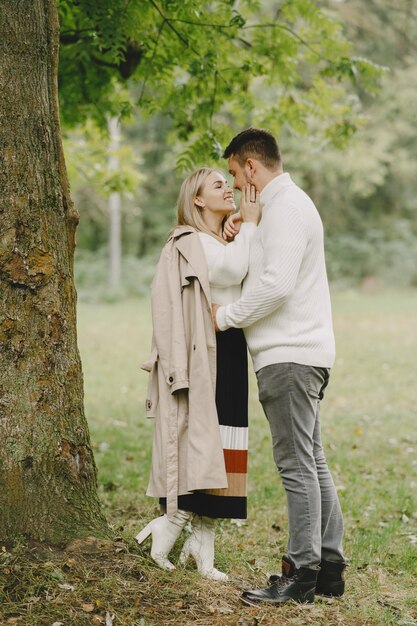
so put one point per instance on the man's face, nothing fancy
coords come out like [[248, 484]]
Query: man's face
[[239, 173]]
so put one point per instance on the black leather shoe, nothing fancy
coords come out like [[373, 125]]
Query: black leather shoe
[[330, 579], [299, 587], [288, 570]]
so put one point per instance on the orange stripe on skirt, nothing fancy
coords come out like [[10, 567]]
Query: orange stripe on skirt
[[236, 461]]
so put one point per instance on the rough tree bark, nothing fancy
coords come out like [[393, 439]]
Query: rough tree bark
[[47, 471]]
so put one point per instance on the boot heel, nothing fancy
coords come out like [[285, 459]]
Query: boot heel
[[309, 597], [144, 533], [331, 579], [165, 531], [332, 589], [338, 589], [200, 545]]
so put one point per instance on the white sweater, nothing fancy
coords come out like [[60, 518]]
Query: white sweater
[[285, 305], [227, 263]]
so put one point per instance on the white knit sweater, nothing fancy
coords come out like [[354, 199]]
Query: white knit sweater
[[285, 305], [227, 263]]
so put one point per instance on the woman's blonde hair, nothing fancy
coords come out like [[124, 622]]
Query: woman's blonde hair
[[188, 213]]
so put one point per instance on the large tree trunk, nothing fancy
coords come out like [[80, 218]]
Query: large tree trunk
[[47, 471]]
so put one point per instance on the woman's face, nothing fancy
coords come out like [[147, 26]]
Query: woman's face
[[217, 195]]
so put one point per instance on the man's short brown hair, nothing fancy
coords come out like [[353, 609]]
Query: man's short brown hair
[[255, 143]]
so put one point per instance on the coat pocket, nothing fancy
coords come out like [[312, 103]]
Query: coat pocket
[[152, 395]]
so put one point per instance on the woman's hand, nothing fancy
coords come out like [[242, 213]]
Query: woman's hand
[[231, 226], [249, 204]]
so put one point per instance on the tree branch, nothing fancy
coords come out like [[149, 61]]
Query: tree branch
[[132, 55], [102, 63], [149, 65], [222, 27], [192, 23], [170, 25], [293, 33], [74, 36], [132, 58]]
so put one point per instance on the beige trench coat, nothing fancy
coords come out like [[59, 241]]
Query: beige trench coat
[[187, 451]]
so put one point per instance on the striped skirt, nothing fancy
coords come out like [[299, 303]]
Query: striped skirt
[[232, 410]]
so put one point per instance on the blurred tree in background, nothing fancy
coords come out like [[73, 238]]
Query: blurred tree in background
[[185, 76], [367, 191]]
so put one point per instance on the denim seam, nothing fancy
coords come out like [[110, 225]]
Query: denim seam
[[290, 394]]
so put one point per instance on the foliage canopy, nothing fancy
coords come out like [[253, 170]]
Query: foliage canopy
[[210, 65], [201, 71]]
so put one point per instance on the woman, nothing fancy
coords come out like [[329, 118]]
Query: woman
[[199, 459]]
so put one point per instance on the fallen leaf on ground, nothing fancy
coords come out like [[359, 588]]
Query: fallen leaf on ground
[[110, 617]]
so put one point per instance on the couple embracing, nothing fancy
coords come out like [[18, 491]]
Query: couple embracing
[[226, 280]]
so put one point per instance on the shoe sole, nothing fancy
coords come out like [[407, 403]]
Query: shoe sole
[[329, 595], [250, 602], [335, 590]]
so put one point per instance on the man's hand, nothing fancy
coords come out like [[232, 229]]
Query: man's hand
[[214, 308]]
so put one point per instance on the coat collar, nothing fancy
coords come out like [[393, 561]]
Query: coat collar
[[188, 243], [179, 231]]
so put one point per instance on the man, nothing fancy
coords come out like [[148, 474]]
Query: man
[[286, 314]]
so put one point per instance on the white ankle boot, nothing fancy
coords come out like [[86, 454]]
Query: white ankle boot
[[165, 531], [200, 545]]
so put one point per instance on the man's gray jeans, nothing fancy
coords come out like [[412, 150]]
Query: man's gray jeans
[[290, 395]]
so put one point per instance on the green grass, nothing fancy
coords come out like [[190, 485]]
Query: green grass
[[368, 428], [368, 421]]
